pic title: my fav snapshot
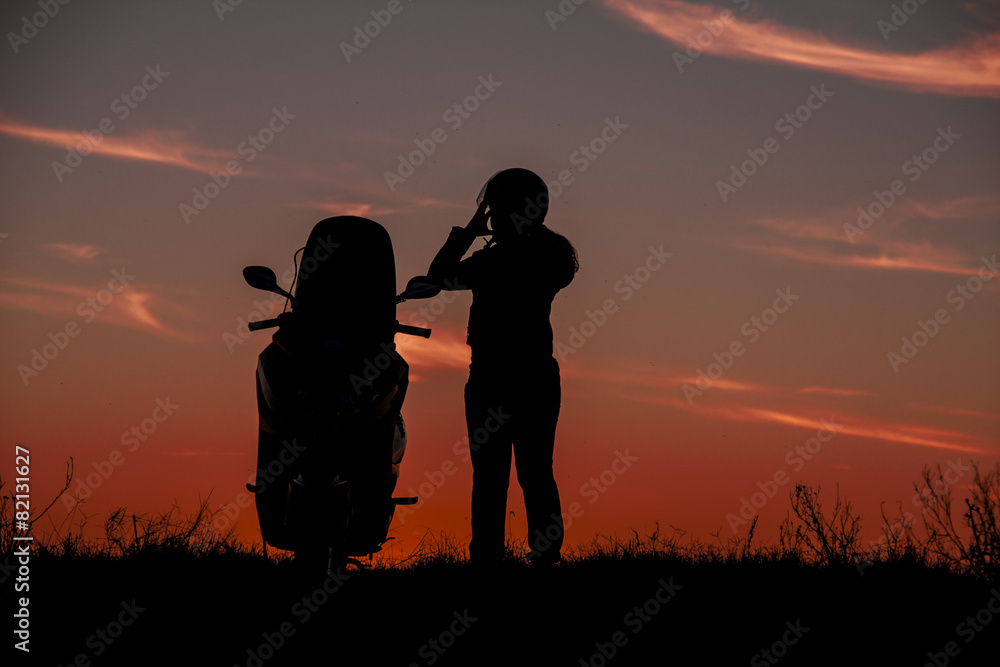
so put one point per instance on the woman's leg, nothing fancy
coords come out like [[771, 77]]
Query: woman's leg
[[534, 440], [490, 450]]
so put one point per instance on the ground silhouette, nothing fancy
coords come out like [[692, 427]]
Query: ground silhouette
[[240, 610]]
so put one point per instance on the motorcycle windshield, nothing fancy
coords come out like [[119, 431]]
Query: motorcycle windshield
[[347, 279]]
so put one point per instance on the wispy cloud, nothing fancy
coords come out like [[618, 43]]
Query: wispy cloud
[[968, 207], [849, 424], [132, 308], [750, 402], [897, 256], [831, 391], [170, 147], [72, 251], [833, 238], [374, 210], [969, 69], [658, 381], [352, 208], [833, 224], [444, 349], [956, 411]]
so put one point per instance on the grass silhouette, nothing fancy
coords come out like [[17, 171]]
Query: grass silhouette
[[208, 598]]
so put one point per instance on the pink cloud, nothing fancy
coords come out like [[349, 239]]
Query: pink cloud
[[756, 403], [968, 207], [833, 238], [970, 69], [656, 381], [370, 210], [833, 392], [905, 434], [895, 256], [131, 307], [956, 411], [72, 251], [445, 349], [169, 147]]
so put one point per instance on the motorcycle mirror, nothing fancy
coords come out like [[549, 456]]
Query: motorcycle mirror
[[420, 287], [263, 278]]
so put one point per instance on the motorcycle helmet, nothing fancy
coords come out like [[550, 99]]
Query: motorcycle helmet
[[518, 200]]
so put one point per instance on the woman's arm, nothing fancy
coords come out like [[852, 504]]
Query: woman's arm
[[447, 267]]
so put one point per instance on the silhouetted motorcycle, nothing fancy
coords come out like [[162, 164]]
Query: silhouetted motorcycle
[[330, 388]]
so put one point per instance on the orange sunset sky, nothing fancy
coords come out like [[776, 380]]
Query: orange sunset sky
[[786, 215]]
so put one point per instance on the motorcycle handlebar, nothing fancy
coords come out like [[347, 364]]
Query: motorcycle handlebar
[[278, 321], [262, 324], [412, 331]]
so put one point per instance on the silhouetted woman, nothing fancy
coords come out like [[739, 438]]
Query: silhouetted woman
[[512, 396]]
